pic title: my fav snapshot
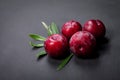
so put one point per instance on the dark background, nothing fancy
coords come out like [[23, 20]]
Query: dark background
[[18, 18]]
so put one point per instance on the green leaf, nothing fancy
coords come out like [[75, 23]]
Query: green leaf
[[37, 37], [42, 53], [54, 28], [64, 62], [45, 25], [47, 28], [36, 45], [49, 31]]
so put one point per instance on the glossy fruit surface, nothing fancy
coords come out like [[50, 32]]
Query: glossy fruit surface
[[56, 46], [70, 27], [82, 43], [95, 27]]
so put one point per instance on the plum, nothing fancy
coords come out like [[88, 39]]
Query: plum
[[82, 43], [70, 27], [56, 46], [95, 27]]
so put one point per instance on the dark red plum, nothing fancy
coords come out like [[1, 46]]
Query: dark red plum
[[56, 46], [95, 27], [70, 27], [82, 43]]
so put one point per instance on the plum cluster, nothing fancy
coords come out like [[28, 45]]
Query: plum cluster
[[73, 40], [80, 40]]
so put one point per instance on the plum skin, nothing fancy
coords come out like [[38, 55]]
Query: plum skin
[[95, 27], [70, 27], [82, 43], [56, 46]]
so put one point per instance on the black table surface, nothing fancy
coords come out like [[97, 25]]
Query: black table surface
[[19, 18]]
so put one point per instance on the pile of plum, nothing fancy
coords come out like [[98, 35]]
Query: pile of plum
[[80, 40], [73, 39]]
